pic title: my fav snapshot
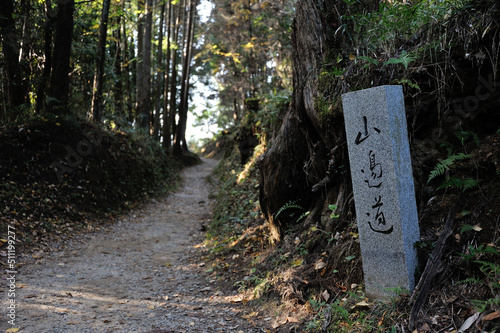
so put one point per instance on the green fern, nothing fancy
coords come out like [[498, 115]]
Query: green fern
[[490, 269], [369, 61], [303, 215], [289, 205], [463, 136], [409, 83], [463, 184], [466, 227], [471, 280], [404, 58], [445, 165], [481, 305]]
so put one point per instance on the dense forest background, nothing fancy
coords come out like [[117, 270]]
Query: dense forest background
[[124, 64], [129, 63], [94, 105]]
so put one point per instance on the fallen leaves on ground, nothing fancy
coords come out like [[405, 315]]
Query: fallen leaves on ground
[[282, 321]]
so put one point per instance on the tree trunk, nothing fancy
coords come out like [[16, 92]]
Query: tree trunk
[[16, 82], [118, 88], [26, 41], [176, 149], [180, 135], [173, 93], [159, 76], [173, 80], [148, 110], [188, 74], [305, 153], [96, 109], [25, 61], [131, 78], [143, 96], [47, 64], [166, 112], [59, 79]]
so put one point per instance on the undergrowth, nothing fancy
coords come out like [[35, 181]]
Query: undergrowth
[[237, 200], [311, 284], [311, 280], [315, 270], [60, 174]]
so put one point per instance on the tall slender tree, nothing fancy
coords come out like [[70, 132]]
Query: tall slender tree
[[131, 70], [159, 75], [139, 68], [167, 133], [15, 84], [59, 79], [173, 78], [50, 17], [96, 109], [144, 27], [118, 62], [180, 134]]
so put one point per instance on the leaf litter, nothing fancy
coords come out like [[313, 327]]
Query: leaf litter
[[112, 281]]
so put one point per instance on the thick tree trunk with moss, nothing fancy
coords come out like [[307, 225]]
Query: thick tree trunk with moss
[[300, 164], [307, 164]]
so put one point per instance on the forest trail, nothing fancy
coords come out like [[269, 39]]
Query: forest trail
[[141, 274]]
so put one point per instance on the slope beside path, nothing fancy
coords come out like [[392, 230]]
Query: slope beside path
[[142, 274]]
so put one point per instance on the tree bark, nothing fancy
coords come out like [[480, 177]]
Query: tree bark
[[25, 61], [148, 111], [173, 80], [180, 135], [139, 65], [16, 82], [47, 64], [143, 96], [118, 89], [131, 79], [304, 152], [26, 41], [166, 110], [433, 267], [96, 109], [190, 45], [59, 79], [159, 76]]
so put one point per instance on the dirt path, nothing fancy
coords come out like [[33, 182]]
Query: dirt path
[[138, 275]]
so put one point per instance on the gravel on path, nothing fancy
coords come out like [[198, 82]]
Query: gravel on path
[[140, 274]]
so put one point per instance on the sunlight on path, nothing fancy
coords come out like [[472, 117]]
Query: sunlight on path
[[138, 275]]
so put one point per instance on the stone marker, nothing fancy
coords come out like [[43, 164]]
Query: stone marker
[[382, 181]]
